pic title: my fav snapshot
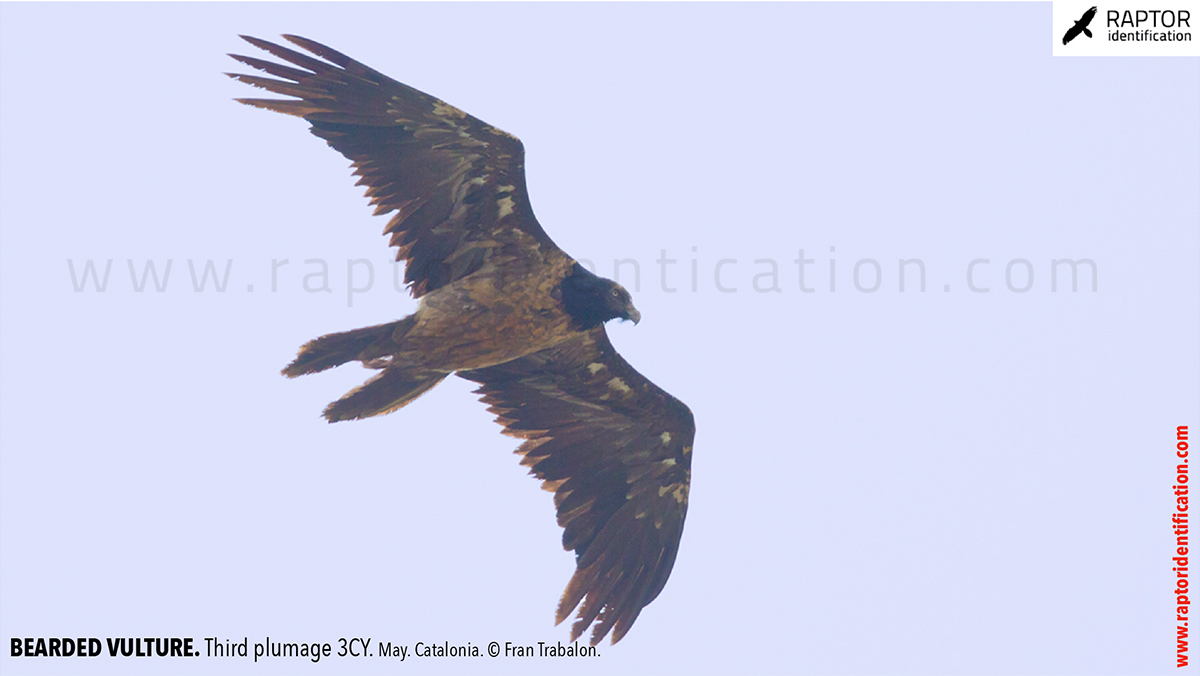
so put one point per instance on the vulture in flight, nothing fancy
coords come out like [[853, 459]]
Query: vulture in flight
[[1080, 26], [502, 306]]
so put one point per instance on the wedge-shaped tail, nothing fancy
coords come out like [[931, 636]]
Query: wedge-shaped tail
[[389, 390], [392, 388], [335, 349]]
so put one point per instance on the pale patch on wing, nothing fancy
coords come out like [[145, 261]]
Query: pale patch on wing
[[506, 188], [506, 206], [666, 438], [594, 367], [500, 132], [677, 491], [443, 109], [619, 385]]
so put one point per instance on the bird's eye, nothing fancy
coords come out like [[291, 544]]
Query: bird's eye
[[616, 294]]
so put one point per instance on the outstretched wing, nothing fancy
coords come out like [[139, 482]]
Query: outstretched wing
[[616, 451], [457, 184]]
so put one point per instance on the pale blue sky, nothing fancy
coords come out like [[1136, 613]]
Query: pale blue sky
[[887, 482]]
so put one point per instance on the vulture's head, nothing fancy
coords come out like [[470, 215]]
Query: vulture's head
[[592, 300]]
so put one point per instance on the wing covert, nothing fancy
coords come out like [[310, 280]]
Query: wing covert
[[616, 451], [455, 183]]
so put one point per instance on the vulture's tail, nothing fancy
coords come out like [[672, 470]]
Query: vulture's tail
[[389, 390], [336, 349]]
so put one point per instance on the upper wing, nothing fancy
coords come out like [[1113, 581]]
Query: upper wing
[[616, 451], [456, 183]]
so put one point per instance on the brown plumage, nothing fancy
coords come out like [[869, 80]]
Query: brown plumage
[[504, 307]]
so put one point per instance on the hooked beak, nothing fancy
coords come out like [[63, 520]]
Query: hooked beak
[[632, 314]]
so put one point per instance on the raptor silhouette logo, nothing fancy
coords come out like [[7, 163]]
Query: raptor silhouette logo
[[1080, 26]]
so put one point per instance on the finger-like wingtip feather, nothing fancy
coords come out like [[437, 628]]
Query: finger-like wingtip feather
[[328, 53], [297, 108], [333, 56], [282, 87], [289, 55], [271, 68]]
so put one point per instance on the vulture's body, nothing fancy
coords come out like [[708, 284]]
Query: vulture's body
[[503, 306]]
